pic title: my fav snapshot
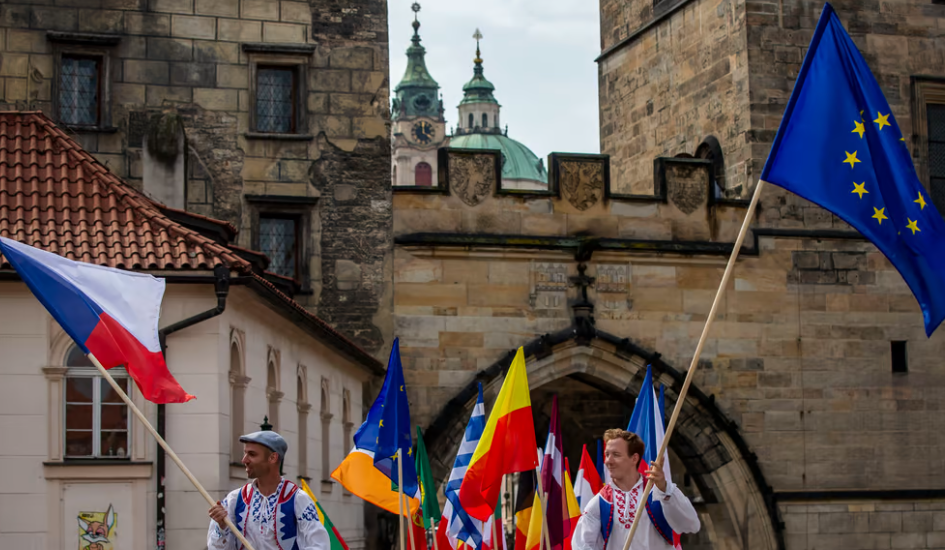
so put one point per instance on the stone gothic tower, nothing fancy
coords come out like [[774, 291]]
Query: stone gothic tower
[[417, 119]]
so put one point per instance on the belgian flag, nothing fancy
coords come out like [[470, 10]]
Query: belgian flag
[[523, 508]]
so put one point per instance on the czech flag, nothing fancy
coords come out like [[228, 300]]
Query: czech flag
[[111, 314], [587, 482], [506, 447]]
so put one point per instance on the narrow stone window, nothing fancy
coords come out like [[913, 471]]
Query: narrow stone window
[[279, 240], [80, 90], [238, 383], [301, 399], [935, 114], [273, 395], [485, 120], [276, 99], [423, 174], [326, 435], [472, 121], [900, 362]]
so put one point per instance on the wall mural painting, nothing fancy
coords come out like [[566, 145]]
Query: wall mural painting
[[97, 529]]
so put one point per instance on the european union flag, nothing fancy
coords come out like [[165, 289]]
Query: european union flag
[[387, 427], [840, 147]]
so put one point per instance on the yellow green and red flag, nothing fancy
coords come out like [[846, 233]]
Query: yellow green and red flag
[[507, 444], [337, 543]]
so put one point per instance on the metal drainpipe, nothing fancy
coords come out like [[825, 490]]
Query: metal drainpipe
[[221, 286]]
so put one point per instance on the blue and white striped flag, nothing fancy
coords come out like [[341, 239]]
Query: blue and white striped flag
[[457, 526]]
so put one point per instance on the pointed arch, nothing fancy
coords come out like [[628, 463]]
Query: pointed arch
[[303, 407], [738, 500]]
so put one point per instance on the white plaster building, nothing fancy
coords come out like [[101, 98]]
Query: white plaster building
[[71, 450]]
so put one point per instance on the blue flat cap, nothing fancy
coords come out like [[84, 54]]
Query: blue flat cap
[[268, 439]]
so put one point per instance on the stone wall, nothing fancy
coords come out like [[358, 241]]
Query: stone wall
[[195, 60], [665, 91]]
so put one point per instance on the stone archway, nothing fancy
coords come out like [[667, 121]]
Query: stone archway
[[738, 510]]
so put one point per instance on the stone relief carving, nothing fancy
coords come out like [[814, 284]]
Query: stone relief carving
[[581, 182], [472, 177], [550, 285], [687, 186], [613, 286]]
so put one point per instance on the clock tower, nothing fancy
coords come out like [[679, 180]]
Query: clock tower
[[417, 119]]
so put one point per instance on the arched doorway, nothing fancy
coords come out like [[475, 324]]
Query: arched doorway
[[597, 377]]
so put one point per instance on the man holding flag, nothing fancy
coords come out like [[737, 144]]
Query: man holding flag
[[631, 455], [271, 512]]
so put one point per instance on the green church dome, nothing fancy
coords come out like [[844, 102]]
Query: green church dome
[[518, 161]]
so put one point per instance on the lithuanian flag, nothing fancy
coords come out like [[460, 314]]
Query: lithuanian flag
[[507, 444], [337, 543]]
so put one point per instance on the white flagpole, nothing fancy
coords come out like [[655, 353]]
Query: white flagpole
[[170, 452], [726, 276]]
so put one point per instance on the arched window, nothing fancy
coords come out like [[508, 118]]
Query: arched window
[[238, 383], [485, 120], [96, 417], [273, 395], [472, 121], [326, 426], [347, 423], [423, 174], [301, 400]]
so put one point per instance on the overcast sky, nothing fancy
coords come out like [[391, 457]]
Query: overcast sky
[[538, 53]]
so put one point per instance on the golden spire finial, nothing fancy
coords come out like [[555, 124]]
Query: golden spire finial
[[478, 36]]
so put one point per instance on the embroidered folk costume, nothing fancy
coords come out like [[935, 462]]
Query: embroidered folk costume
[[284, 520], [608, 516]]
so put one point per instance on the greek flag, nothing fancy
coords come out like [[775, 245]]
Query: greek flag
[[457, 526]]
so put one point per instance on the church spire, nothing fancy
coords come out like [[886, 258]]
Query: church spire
[[416, 94]]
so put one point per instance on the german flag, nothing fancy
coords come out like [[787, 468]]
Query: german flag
[[507, 444], [523, 508]]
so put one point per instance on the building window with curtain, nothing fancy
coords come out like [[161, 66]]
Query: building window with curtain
[[80, 90], [96, 418], [423, 174], [276, 99]]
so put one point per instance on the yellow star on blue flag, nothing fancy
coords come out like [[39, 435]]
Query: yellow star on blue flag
[[387, 429], [815, 155]]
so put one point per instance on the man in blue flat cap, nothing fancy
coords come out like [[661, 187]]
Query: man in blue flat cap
[[271, 512]]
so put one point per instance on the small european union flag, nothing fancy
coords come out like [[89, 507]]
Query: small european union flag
[[387, 427], [840, 147]]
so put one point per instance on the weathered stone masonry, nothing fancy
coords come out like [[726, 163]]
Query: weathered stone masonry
[[195, 61]]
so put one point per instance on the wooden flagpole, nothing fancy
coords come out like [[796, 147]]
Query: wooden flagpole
[[435, 545], [170, 452], [726, 276], [400, 497], [544, 512]]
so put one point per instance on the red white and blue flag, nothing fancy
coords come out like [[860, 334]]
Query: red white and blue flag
[[110, 313]]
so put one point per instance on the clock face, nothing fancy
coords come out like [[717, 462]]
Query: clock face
[[424, 132]]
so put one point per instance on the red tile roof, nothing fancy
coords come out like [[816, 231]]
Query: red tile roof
[[54, 195]]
